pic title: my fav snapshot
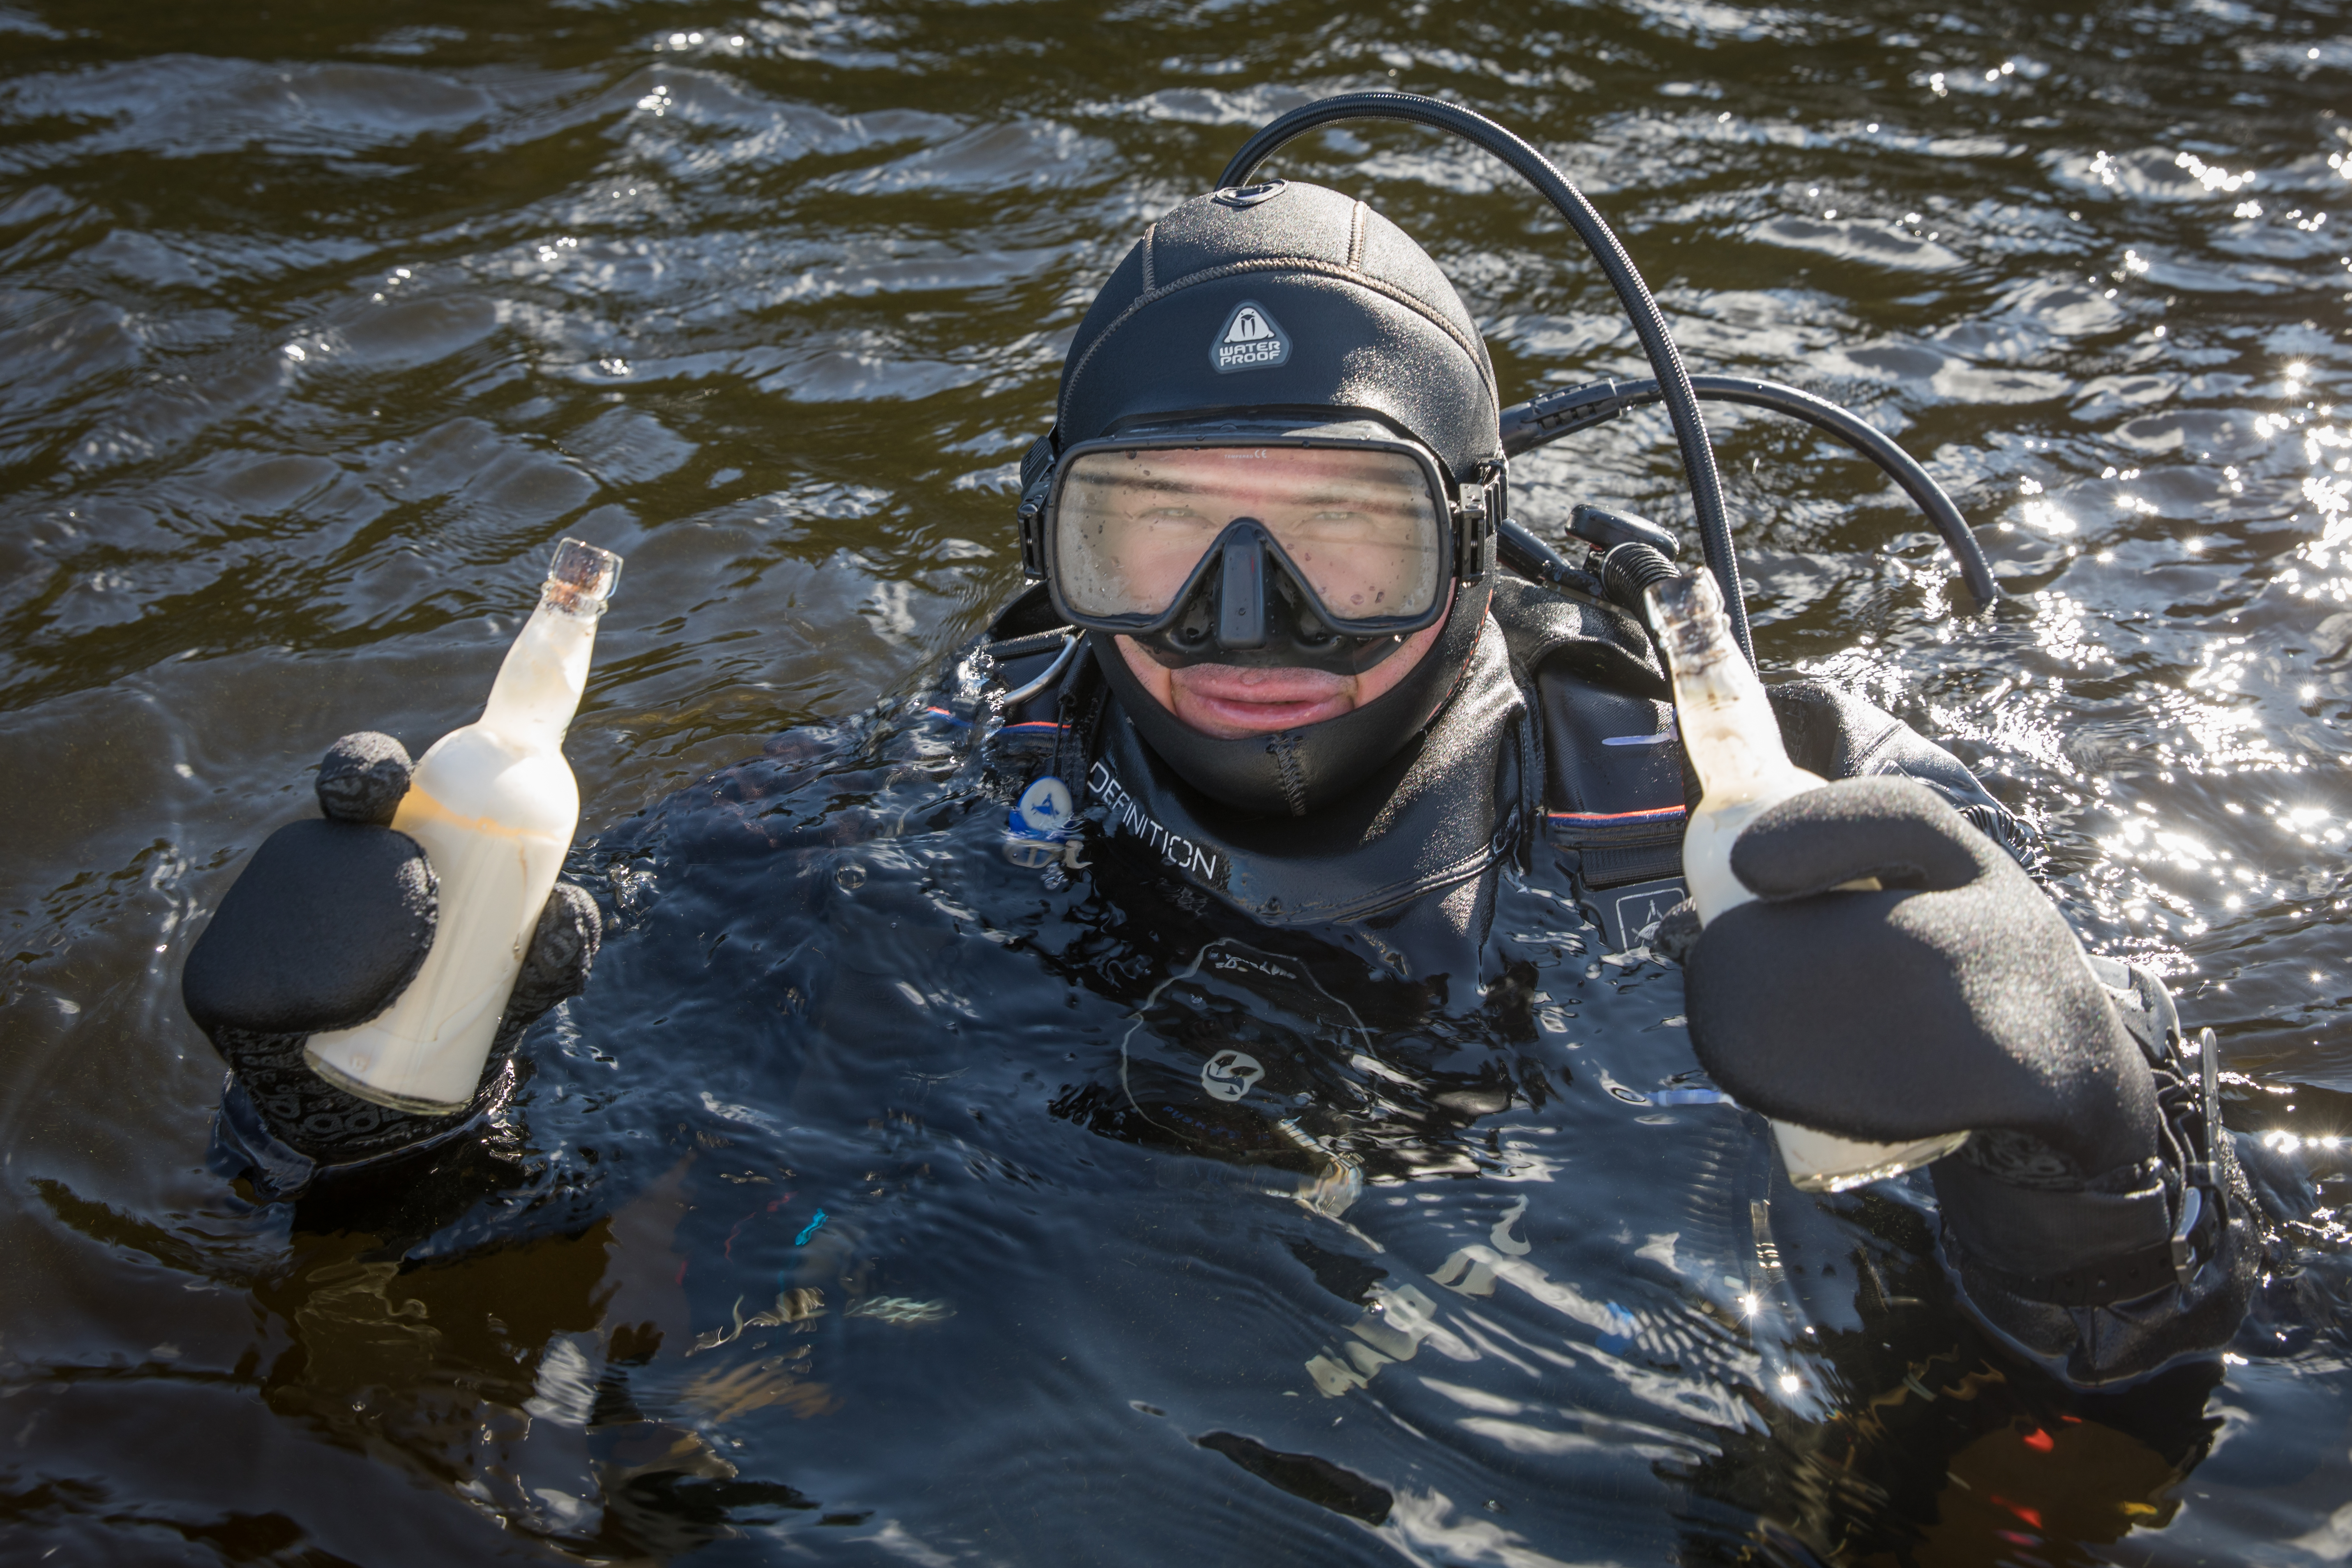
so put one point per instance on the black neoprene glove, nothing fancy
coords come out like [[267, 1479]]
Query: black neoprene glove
[[2087, 1218], [323, 929]]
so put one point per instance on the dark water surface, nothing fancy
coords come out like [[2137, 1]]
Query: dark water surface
[[320, 323]]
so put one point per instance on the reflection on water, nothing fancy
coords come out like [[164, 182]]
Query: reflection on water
[[322, 325]]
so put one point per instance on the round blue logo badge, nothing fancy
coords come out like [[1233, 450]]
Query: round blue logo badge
[[1044, 810]]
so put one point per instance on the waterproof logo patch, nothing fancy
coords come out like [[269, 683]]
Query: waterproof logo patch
[[1250, 342], [1640, 910]]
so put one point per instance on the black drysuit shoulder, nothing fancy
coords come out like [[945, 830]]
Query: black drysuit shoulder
[[1831, 732]]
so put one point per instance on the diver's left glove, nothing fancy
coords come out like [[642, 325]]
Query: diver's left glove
[[324, 928], [2095, 1218]]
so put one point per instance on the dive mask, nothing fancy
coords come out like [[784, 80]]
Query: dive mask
[[1326, 547]]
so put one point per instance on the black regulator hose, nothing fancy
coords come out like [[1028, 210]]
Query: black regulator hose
[[1674, 382], [1526, 426], [1519, 548]]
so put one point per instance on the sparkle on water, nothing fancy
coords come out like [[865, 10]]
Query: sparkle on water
[[323, 322]]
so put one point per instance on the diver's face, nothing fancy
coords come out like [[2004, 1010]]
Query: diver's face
[[1230, 701], [1360, 526]]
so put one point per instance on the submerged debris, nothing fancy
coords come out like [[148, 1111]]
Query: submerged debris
[[903, 1310], [795, 1307]]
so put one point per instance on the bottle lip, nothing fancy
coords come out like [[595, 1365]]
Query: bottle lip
[[581, 577], [1689, 613]]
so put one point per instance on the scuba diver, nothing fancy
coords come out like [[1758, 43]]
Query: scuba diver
[[1295, 694]]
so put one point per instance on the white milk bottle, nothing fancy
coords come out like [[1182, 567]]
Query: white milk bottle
[[494, 805], [1734, 742]]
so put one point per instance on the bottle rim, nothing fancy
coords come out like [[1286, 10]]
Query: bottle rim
[[580, 578]]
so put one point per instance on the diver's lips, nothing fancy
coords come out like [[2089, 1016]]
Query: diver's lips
[[1257, 701], [1258, 718]]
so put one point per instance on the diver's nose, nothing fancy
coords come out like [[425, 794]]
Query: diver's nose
[[1240, 590]]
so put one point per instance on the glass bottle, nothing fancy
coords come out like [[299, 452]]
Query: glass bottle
[[494, 805], [1734, 742]]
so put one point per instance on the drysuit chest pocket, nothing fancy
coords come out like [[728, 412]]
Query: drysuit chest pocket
[[1614, 802]]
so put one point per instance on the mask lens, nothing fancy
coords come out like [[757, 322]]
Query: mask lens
[[1361, 527]]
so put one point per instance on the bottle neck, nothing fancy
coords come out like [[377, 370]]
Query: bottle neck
[[1729, 730], [539, 686]]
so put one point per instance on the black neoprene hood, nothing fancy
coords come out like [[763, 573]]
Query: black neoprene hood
[[1283, 301], [1282, 297]]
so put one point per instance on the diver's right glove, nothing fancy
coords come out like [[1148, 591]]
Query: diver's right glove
[[2095, 1217], [325, 927]]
